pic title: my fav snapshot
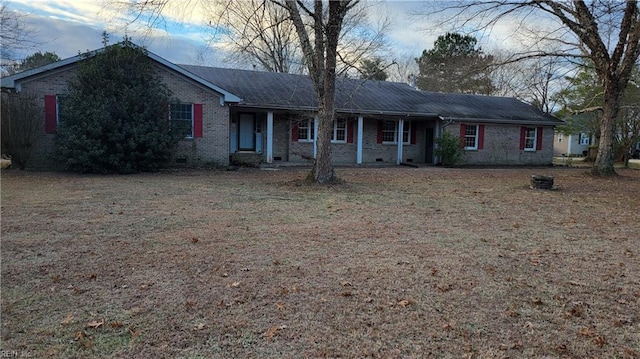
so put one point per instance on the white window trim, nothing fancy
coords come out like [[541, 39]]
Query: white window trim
[[584, 138], [310, 123], [58, 98], [560, 137], [334, 134], [475, 137], [191, 136], [535, 139], [406, 128]]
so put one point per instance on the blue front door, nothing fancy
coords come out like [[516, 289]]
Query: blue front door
[[246, 132]]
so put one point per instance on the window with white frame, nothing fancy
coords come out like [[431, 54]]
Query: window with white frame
[[530, 136], [584, 139], [471, 137], [60, 99], [390, 132], [181, 118], [560, 137], [339, 131], [306, 130]]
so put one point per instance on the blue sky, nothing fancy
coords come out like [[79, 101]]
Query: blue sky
[[68, 27]]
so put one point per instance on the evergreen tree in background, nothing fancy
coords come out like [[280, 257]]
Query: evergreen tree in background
[[455, 65]]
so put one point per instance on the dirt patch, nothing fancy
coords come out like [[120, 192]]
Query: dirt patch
[[395, 262]]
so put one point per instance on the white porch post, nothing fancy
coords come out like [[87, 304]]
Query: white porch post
[[269, 137], [569, 139], [400, 131], [359, 141], [315, 136], [437, 134]]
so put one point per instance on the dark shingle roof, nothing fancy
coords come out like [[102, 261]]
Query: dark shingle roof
[[286, 91]]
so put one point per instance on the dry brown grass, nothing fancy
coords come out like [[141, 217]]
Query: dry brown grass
[[395, 263]]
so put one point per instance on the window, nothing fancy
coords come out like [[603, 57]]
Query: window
[[530, 139], [390, 132], [339, 130], [181, 116], [471, 137], [52, 106], [306, 130], [59, 104], [584, 139], [560, 137]]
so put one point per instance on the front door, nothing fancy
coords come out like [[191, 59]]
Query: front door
[[246, 132], [428, 146]]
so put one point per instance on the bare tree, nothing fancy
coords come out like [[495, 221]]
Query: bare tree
[[319, 36], [20, 125], [258, 32], [605, 31], [535, 81], [319, 33], [15, 35], [261, 33]]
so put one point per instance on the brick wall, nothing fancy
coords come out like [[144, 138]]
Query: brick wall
[[502, 146], [213, 147]]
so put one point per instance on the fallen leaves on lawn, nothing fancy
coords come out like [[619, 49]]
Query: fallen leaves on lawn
[[95, 324], [67, 320], [199, 326], [83, 339], [273, 331], [116, 324], [133, 331]]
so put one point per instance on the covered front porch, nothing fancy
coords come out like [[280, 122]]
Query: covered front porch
[[272, 137]]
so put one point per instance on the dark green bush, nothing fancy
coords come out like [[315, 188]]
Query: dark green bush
[[449, 149], [115, 118]]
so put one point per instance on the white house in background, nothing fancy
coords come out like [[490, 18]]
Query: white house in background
[[571, 145]]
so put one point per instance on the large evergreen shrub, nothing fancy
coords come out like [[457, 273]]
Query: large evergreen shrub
[[115, 118], [449, 149]]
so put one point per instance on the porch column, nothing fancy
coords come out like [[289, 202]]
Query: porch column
[[269, 137], [315, 136], [400, 131], [569, 145], [437, 135], [359, 143]]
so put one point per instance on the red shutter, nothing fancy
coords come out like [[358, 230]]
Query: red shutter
[[350, 129], [480, 137], [380, 135], [294, 132], [50, 113], [463, 132], [412, 128], [539, 139], [523, 134], [197, 120]]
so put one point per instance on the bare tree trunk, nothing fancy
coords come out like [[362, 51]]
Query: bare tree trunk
[[603, 165]]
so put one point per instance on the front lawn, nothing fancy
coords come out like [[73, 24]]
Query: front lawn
[[394, 263]]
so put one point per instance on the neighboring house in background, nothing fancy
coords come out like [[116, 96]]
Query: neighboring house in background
[[572, 145], [251, 116]]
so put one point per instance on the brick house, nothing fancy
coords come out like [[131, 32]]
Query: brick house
[[252, 116]]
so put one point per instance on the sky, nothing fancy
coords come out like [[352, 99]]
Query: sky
[[68, 27]]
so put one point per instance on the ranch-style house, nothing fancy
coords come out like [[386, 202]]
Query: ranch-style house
[[270, 118]]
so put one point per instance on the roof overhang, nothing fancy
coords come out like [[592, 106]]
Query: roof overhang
[[504, 121], [13, 81], [374, 113]]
